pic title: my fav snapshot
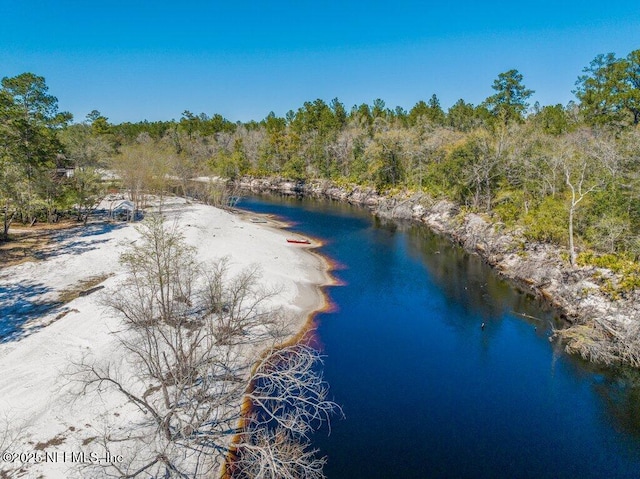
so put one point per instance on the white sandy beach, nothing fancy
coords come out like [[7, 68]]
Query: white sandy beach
[[34, 393]]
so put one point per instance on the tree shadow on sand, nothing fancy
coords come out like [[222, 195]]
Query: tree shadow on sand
[[20, 303], [24, 301], [76, 240], [92, 229]]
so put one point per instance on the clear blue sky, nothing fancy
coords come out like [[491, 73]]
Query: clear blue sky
[[136, 60]]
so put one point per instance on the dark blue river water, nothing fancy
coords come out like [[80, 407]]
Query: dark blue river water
[[428, 393]]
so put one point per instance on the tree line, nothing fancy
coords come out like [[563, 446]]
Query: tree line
[[567, 174]]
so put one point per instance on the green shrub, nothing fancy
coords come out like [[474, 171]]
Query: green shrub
[[508, 206], [617, 263], [620, 264], [548, 222], [294, 168]]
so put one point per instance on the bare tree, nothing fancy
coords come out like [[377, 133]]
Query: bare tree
[[253, 141], [273, 454], [585, 171], [11, 436], [289, 400], [144, 168], [190, 338], [603, 342]]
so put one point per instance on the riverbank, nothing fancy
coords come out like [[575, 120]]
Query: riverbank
[[601, 329], [55, 327]]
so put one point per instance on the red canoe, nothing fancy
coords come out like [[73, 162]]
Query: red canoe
[[298, 241]]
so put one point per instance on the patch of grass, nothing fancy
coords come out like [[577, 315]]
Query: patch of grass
[[81, 287], [20, 250], [89, 440], [25, 243], [55, 441], [626, 269], [64, 313]]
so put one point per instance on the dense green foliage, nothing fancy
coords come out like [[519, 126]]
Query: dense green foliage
[[565, 174], [29, 148], [609, 91]]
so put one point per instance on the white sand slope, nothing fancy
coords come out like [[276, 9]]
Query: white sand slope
[[34, 393]]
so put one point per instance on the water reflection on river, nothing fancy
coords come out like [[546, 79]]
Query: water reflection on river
[[426, 391]]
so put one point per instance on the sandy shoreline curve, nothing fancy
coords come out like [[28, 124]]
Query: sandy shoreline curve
[[34, 393]]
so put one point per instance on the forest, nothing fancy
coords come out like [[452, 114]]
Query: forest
[[565, 174]]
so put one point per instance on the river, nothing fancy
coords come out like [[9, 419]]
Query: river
[[427, 390]]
